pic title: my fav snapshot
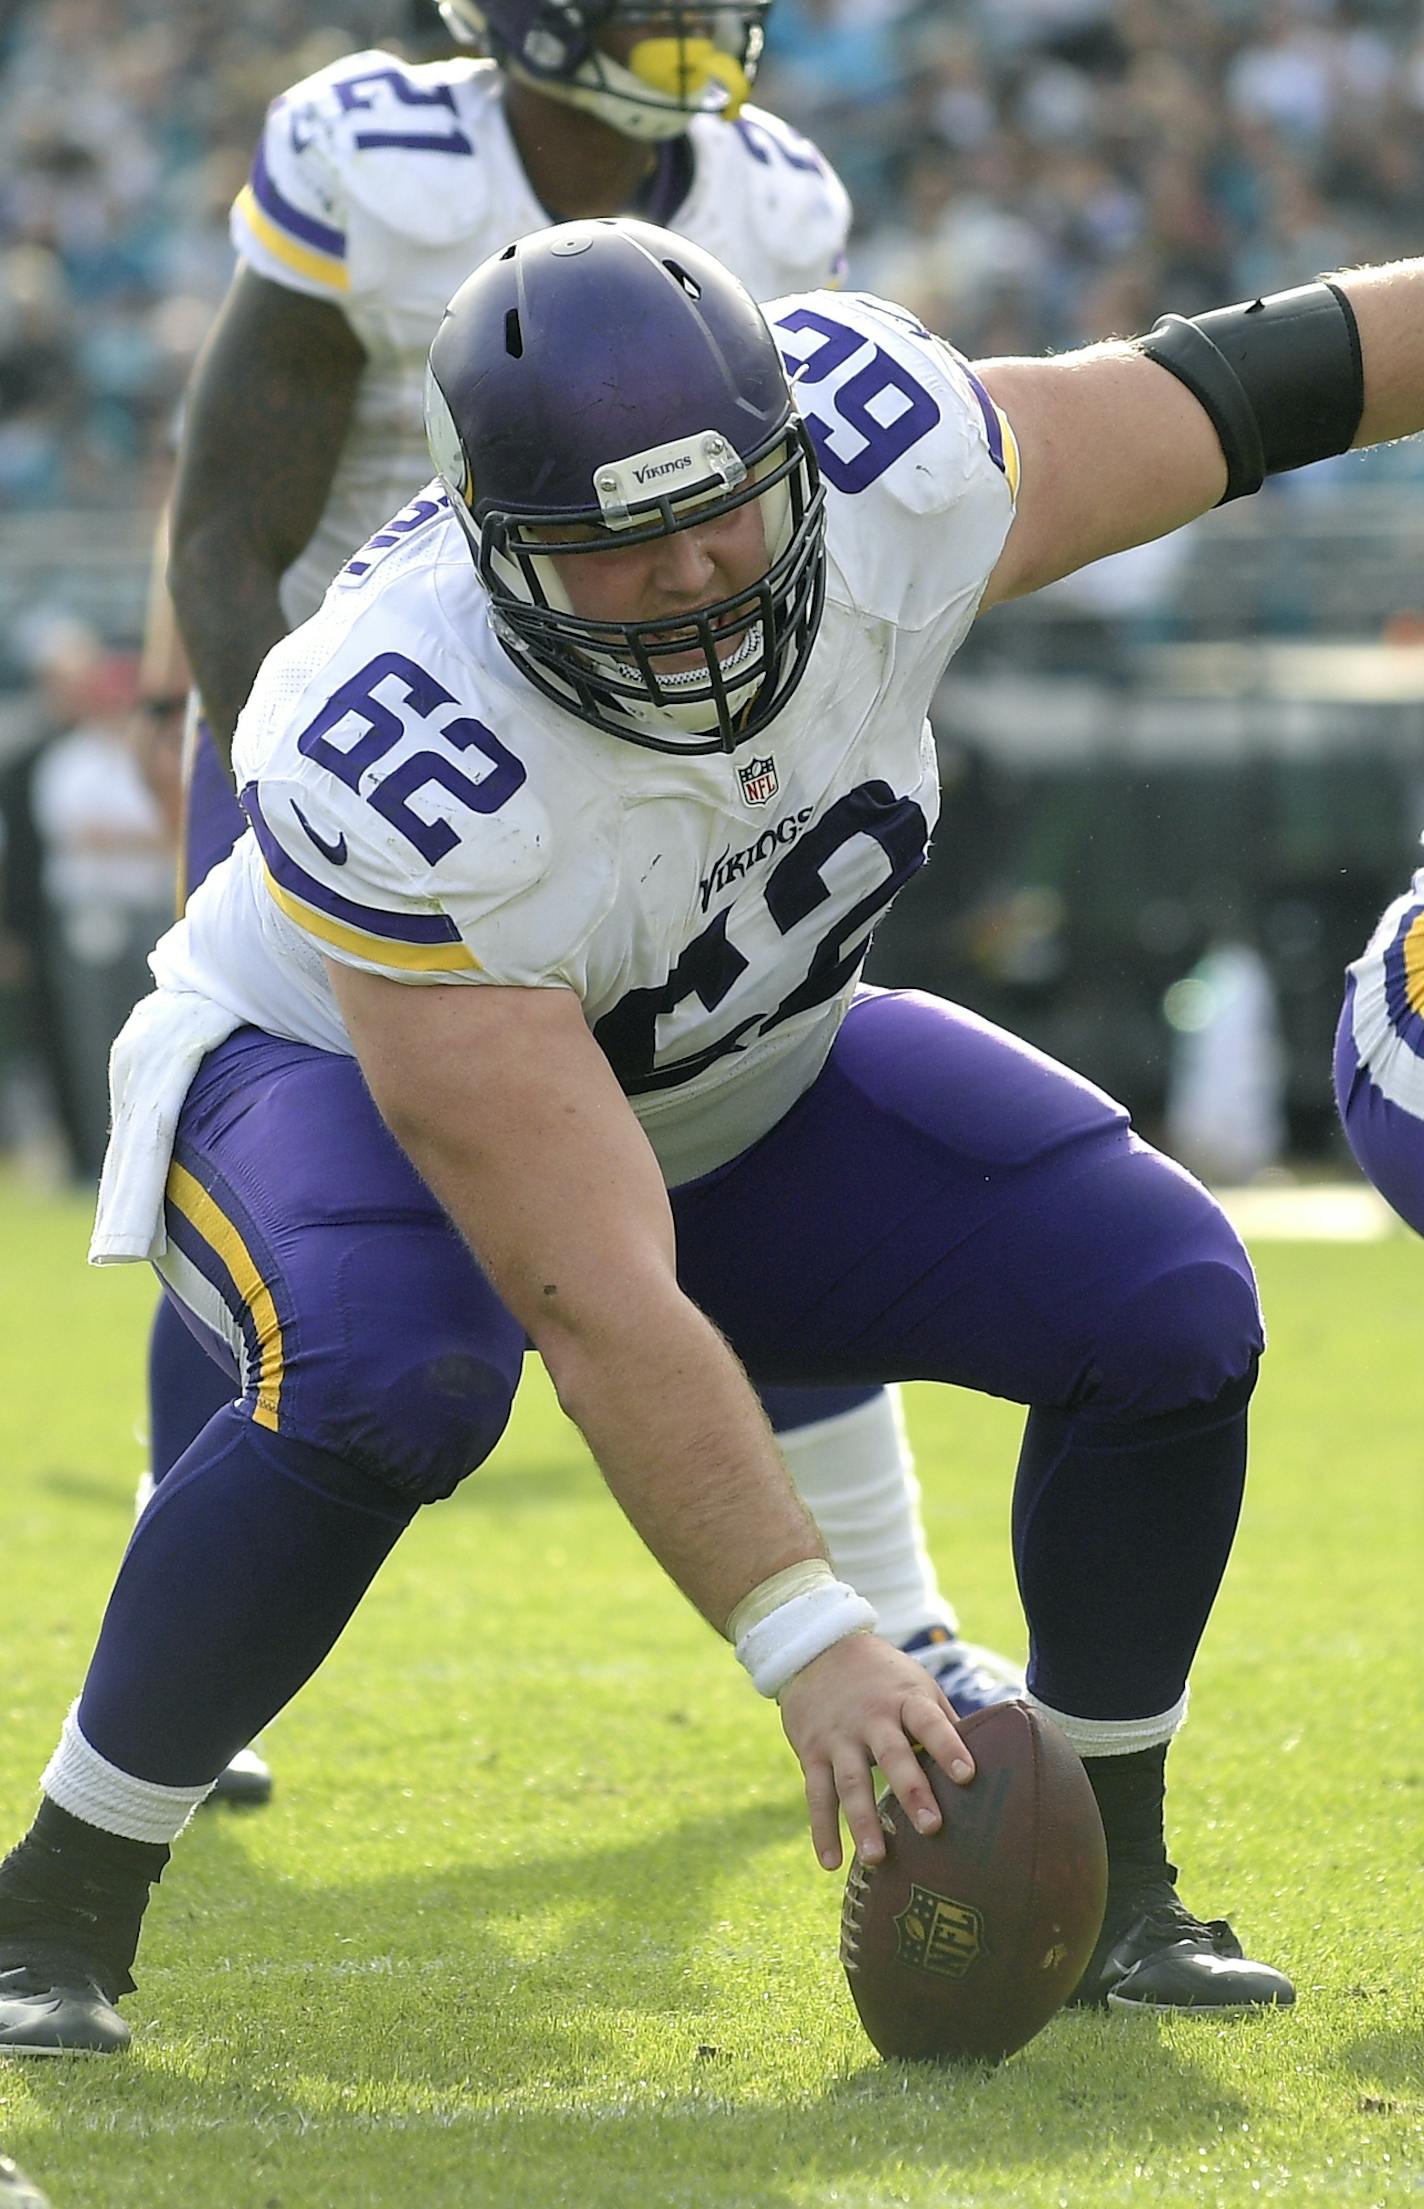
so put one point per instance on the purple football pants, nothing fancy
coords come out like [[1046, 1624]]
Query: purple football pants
[[185, 1388], [944, 1204]]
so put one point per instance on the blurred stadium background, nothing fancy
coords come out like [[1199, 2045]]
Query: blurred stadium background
[[1179, 788]]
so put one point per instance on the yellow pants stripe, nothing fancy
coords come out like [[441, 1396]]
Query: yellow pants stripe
[[217, 1230]]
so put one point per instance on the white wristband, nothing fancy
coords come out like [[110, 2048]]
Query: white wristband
[[795, 1633]]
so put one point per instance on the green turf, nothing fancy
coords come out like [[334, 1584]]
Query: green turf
[[534, 1920]]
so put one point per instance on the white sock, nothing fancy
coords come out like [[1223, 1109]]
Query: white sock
[[1116, 1736], [90, 1788], [856, 1477]]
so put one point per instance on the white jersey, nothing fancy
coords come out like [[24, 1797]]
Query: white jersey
[[380, 186], [421, 811]]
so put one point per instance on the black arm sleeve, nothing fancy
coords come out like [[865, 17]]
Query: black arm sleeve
[[1281, 378]]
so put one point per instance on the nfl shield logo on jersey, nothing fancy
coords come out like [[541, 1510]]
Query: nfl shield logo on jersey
[[759, 781]]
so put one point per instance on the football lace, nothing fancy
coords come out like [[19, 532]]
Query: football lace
[[857, 1888]]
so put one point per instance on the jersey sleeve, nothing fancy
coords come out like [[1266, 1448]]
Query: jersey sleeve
[[367, 152], [400, 835], [921, 467], [795, 204]]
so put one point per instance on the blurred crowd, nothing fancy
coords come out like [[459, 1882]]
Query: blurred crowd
[[1036, 173], [1027, 173]]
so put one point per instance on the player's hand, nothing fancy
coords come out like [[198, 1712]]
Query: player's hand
[[861, 1703]]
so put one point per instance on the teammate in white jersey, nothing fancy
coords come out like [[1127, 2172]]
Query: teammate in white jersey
[[376, 187], [486, 959], [1379, 1056]]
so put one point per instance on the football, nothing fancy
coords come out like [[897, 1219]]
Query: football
[[962, 1944]]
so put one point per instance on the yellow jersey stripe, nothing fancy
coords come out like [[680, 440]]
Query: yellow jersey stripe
[[1414, 963], [411, 958], [218, 1232], [1011, 454], [323, 268]]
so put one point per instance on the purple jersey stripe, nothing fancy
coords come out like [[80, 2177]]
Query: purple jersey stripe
[[993, 427], [396, 927], [322, 235]]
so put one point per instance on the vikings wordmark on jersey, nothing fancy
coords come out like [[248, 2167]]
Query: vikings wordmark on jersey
[[418, 809]]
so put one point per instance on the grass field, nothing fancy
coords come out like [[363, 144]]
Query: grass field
[[534, 1919]]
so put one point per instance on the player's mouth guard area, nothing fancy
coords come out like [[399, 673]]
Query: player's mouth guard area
[[684, 68], [739, 663]]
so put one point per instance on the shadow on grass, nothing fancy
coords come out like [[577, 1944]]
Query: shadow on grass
[[101, 1491], [588, 2011], [1394, 2056]]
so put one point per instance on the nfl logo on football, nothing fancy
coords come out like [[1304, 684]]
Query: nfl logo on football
[[759, 781]]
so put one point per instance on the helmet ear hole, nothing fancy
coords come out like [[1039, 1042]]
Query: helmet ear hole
[[688, 283]]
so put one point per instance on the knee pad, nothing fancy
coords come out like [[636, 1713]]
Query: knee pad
[[1189, 1326], [410, 1372], [442, 1417]]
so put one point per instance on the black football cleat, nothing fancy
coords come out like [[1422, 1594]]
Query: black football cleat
[[57, 2009], [1152, 1954], [17, 2191], [246, 1784]]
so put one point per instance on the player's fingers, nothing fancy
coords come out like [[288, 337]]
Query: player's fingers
[[858, 1806], [906, 1776], [823, 1803], [929, 1725]]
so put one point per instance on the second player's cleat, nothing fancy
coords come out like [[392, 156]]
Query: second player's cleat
[[1152, 1954], [972, 1678], [17, 2191], [56, 2009], [246, 1784]]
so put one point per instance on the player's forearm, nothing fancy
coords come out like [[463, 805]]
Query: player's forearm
[[511, 1113], [663, 1404], [230, 616], [683, 1445], [1389, 308]]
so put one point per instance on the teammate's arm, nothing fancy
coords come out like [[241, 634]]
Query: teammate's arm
[[265, 420], [163, 681], [1115, 450], [510, 1111]]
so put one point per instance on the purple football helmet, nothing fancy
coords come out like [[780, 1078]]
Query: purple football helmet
[[687, 59], [603, 384]]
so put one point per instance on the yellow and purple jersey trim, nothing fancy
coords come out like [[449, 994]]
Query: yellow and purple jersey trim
[[1003, 445], [206, 1230], [316, 250], [1404, 978], [409, 943]]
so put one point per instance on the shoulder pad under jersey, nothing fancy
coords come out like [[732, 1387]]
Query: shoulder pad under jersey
[[794, 204], [406, 821], [370, 136], [904, 430]]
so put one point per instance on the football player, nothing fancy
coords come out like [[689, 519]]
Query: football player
[[376, 187], [1379, 1056], [685, 582]]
